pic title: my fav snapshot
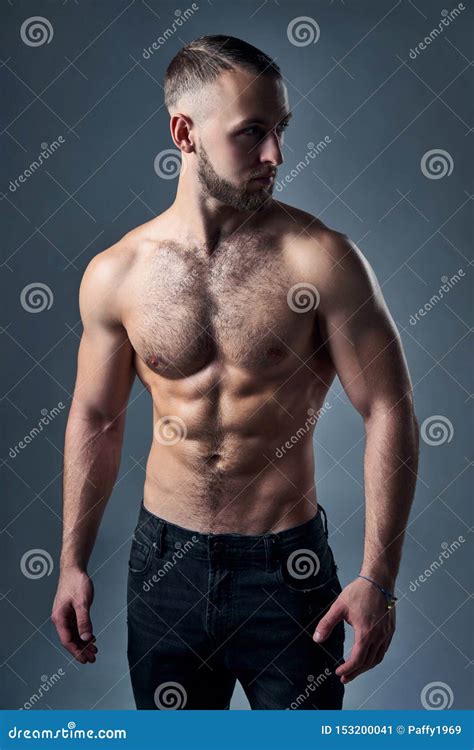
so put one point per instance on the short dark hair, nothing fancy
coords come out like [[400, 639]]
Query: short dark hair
[[201, 61]]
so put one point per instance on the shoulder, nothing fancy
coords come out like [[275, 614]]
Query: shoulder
[[105, 272], [307, 235], [328, 259], [105, 279]]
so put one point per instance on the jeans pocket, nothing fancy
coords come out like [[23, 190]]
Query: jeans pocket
[[308, 568], [141, 553]]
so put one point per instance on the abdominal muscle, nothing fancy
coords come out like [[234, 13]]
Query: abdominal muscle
[[248, 469]]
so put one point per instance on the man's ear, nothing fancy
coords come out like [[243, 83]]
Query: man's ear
[[181, 126]]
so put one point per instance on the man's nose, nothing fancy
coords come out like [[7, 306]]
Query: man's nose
[[270, 150]]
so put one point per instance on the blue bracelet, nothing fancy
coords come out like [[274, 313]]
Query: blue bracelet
[[391, 599]]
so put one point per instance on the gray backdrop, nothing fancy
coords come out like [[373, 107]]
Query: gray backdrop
[[379, 148]]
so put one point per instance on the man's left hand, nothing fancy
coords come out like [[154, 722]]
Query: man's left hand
[[364, 607]]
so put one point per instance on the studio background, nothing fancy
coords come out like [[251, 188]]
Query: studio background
[[382, 129]]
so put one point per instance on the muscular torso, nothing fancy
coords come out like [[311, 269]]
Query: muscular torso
[[234, 373]]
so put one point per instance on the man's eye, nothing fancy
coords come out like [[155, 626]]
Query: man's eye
[[252, 130]]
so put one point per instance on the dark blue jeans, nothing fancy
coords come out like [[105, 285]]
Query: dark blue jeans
[[205, 610]]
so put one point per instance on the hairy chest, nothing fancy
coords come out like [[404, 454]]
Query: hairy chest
[[242, 305]]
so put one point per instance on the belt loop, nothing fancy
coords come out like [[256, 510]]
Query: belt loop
[[269, 541], [158, 543], [325, 522]]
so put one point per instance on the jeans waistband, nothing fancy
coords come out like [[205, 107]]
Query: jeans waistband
[[164, 534]]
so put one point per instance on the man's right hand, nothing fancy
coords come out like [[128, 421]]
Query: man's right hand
[[70, 614]]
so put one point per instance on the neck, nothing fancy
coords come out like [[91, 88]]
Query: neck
[[204, 220]]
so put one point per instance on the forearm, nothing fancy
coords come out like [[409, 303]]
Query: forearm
[[390, 472], [91, 462]]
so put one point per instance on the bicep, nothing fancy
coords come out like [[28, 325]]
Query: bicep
[[105, 370], [105, 374], [362, 338]]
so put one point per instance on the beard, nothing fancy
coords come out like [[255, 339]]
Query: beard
[[224, 191]]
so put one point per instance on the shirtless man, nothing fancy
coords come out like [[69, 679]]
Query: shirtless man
[[236, 311]]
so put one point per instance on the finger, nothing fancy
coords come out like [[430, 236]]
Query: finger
[[90, 658], [84, 624], [75, 651], [89, 649], [357, 658], [61, 619], [66, 636], [369, 663], [327, 623]]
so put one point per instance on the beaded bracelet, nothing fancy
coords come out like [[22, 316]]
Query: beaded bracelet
[[391, 599]]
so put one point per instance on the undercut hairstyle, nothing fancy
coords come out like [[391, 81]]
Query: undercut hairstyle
[[202, 61]]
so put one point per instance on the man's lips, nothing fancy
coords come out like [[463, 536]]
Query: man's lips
[[267, 179]]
